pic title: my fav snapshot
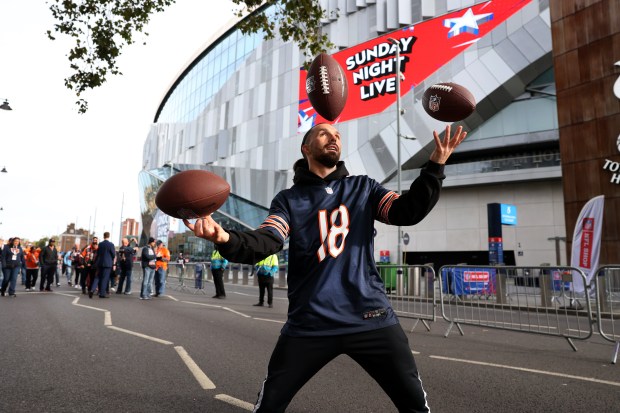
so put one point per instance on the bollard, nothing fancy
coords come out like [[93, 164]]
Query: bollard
[[545, 280], [281, 277], [245, 270], [501, 296], [604, 302], [400, 281], [414, 281], [430, 280], [235, 274]]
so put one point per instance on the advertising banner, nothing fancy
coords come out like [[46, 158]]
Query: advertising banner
[[469, 281], [371, 67], [587, 241]]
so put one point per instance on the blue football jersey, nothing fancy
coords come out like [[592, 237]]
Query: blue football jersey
[[333, 283]]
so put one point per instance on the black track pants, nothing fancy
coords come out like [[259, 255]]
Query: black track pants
[[383, 353]]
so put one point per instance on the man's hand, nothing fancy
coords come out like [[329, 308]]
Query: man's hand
[[208, 229], [444, 149]]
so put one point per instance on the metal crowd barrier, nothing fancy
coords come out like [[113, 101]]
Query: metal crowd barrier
[[608, 305], [411, 291], [539, 300]]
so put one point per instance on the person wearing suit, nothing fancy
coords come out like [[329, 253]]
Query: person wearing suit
[[106, 255]]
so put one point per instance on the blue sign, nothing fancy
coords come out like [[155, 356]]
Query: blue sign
[[508, 214]]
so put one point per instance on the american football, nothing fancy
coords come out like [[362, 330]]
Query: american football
[[327, 86], [192, 194], [448, 102]]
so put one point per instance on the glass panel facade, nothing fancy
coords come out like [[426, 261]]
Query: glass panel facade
[[196, 89]]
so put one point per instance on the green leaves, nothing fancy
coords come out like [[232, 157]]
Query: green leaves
[[102, 28], [295, 20]]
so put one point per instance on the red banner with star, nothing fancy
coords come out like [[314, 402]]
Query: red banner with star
[[371, 67]]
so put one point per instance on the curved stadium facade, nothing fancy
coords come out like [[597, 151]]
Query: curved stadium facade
[[236, 110]]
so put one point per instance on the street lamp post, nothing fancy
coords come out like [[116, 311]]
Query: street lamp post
[[5, 105], [398, 162]]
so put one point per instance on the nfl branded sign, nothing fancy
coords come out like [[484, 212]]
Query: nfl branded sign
[[476, 276], [587, 241]]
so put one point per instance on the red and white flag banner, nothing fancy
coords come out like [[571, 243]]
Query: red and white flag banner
[[587, 241]]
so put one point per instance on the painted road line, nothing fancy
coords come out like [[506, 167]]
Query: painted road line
[[75, 302], [171, 297], [201, 378], [415, 352], [107, 319], [133, 333], [235, 402], [268, 320], [236, 312], [548, 373], [202, 304]]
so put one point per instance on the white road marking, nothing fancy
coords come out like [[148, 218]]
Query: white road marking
[[133, 333], [235, 402], [203, 304], [548, 373], [199, 375], [171, 297], [87, 306], [415, 352], [107, 319], [236, 312], [268, 320]]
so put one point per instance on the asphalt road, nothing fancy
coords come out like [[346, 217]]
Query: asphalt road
[[64, 352]]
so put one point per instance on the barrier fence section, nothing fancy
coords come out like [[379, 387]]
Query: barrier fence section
[[539, 300], [411, 291], [608, 305]]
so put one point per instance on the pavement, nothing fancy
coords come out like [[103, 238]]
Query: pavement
[[186, 352]]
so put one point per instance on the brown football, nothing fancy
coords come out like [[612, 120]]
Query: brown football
[[192, 194], [448, 102], [326, 86]]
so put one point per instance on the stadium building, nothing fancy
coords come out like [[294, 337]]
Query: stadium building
[[239, 109]]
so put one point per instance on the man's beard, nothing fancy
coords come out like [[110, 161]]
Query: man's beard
[[328, 159]]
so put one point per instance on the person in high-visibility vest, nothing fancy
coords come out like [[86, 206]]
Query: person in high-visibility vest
[[218, 266], [266, 270]]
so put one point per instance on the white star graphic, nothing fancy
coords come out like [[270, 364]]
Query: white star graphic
[[467, 23]]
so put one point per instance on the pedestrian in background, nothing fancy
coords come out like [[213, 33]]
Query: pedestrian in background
[[90, 255], [80, 270], [148, 261], [161, 267], [104, 262], [124, 263], [49, 263], [32, 268], [66, 266], [59, 257], [266, 270], [218, 266], [12, 262], [22, 269]]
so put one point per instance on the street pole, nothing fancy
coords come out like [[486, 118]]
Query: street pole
[[399, 253], [120, 230]]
